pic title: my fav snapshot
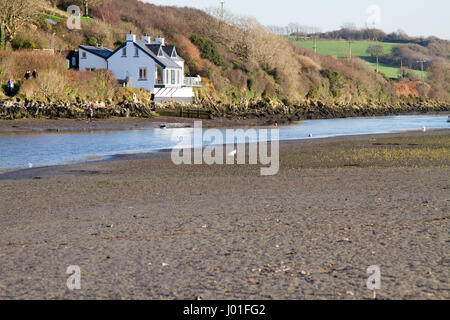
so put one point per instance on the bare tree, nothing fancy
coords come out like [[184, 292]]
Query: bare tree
[[14, 15], [88, 4], [376, 51]]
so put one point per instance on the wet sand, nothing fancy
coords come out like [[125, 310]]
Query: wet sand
[[119, 123], [140, 227], [40, 125]]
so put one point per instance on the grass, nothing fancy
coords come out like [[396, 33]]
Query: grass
[[54, 18], [425, 151], [340, 49], [59, 19]]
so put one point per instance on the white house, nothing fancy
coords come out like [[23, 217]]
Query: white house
[[153, 66]]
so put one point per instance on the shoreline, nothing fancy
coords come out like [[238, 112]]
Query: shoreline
[[43, 125], [166, 153]]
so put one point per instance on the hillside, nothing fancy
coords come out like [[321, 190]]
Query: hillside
[[340, 48], [243, 66]]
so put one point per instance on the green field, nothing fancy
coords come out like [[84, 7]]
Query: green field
[[340, 49], [60, 19]]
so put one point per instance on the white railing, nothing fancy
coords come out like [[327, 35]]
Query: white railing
[[192, 81]]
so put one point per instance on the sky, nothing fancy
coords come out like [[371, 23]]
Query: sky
[[416, 18]]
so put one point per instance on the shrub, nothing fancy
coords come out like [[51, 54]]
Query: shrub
[[208, 49], [93, 41], [193, 60], [335, 81], [18, 44]]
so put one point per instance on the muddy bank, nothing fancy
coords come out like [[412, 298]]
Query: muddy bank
[[144, 228], [115, 123]]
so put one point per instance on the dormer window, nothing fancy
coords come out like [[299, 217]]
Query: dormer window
[[124, 52], [160, 53], [174, 54]]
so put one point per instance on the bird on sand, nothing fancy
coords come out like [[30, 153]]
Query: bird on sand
[[232, 153]]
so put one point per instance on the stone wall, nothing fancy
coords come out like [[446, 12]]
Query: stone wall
[[258, 108]]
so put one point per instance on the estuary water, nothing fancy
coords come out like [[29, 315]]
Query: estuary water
[[23, 150]]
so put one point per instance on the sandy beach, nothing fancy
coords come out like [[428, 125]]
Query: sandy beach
[[140, 227]]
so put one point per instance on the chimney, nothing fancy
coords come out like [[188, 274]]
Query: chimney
[[131, 37], [160, 41], [146, 38]]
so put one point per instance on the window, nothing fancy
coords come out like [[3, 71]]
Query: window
[[83, 55], [178, 76], [160, 53], [174, 54], [136, 52], [167, 76], [142, 73], [124, 52], [159, 75], [172, 74]]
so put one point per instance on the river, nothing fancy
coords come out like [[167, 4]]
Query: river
[[23, 150]]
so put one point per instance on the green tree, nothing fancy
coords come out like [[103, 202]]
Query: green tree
[[376, 51]]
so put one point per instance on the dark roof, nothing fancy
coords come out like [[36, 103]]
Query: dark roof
[[152, 50], [154, 47], [165, 60], [169, 50], [99, 51]]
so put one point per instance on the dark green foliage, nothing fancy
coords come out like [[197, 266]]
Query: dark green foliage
[[208, 49], [18, 44], [335, 79], [313, 92], [118, 43], [43, 24], [93, 41]]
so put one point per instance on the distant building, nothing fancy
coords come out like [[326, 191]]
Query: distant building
[[144, 64]]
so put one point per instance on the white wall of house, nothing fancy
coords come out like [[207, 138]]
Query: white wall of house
[[181, 64], [173, 74], [91, 61], [185, 94], [128, 67]]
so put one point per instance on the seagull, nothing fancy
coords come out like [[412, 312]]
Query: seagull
[[232, 153], [424, 129], [30, 165]]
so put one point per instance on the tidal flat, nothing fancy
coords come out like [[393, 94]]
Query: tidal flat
[[140, 227]]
